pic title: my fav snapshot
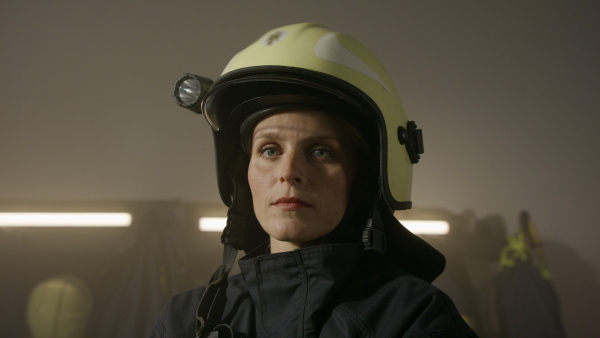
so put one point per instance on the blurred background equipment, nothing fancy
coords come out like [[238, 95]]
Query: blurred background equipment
[[528, 305], [59, 307]]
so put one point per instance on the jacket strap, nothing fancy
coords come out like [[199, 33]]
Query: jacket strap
[[211, 306]]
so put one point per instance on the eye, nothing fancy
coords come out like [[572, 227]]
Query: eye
[[269, 151], [322, 153]]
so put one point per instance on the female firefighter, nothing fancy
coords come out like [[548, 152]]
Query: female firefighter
[[314, 153]]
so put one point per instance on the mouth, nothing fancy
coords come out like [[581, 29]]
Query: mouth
[[291, 203]]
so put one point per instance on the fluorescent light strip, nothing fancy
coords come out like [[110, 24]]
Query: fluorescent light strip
[[64, 219], [212, 224], [427, 227], [216, 224]]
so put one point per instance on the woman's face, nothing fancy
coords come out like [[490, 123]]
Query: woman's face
[[300, 173]]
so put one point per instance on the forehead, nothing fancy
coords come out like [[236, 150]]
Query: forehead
[[300, 121]]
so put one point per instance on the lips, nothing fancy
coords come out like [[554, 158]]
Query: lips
[[291, 203]]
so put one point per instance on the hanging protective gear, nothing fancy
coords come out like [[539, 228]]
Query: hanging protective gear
[[527, 304]]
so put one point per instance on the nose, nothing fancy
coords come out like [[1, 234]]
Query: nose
[[293, 169]]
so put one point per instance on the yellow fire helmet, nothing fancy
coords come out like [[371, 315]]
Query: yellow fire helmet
[[310, 55], [308, 65]]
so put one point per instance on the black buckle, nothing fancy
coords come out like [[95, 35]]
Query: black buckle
[[412, 139], [373, 238]]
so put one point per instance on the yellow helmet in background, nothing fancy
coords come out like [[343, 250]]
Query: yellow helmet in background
[[59, 307]]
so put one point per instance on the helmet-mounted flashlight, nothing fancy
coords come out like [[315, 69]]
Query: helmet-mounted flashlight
[[189, 91]]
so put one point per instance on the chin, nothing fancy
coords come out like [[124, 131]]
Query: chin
[[294, 229], [287, 231]]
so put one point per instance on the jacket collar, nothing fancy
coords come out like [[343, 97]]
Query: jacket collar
[[289, 289]]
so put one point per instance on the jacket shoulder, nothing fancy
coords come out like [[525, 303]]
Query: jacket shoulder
[[394, 303], [177, 319]]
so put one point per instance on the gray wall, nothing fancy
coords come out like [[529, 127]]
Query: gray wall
[[507, 94]]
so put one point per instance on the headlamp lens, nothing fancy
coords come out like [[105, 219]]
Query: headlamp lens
[[189, 91]]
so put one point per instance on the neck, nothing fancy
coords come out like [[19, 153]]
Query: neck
[[278, 246]]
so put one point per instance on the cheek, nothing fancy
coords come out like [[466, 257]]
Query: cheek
[[345, 191], [254, 171], [337, 187], [350, 171], [258, 182], [253, 180], [344, 184]]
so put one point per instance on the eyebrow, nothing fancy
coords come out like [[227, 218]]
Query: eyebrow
[[315, 138]]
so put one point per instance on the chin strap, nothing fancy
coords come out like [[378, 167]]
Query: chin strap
[[373, 237], [212, 304]]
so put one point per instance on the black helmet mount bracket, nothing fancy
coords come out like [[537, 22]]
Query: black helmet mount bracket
[[412, 139]]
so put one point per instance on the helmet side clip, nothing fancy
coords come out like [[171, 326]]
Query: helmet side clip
[[412, 139]]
